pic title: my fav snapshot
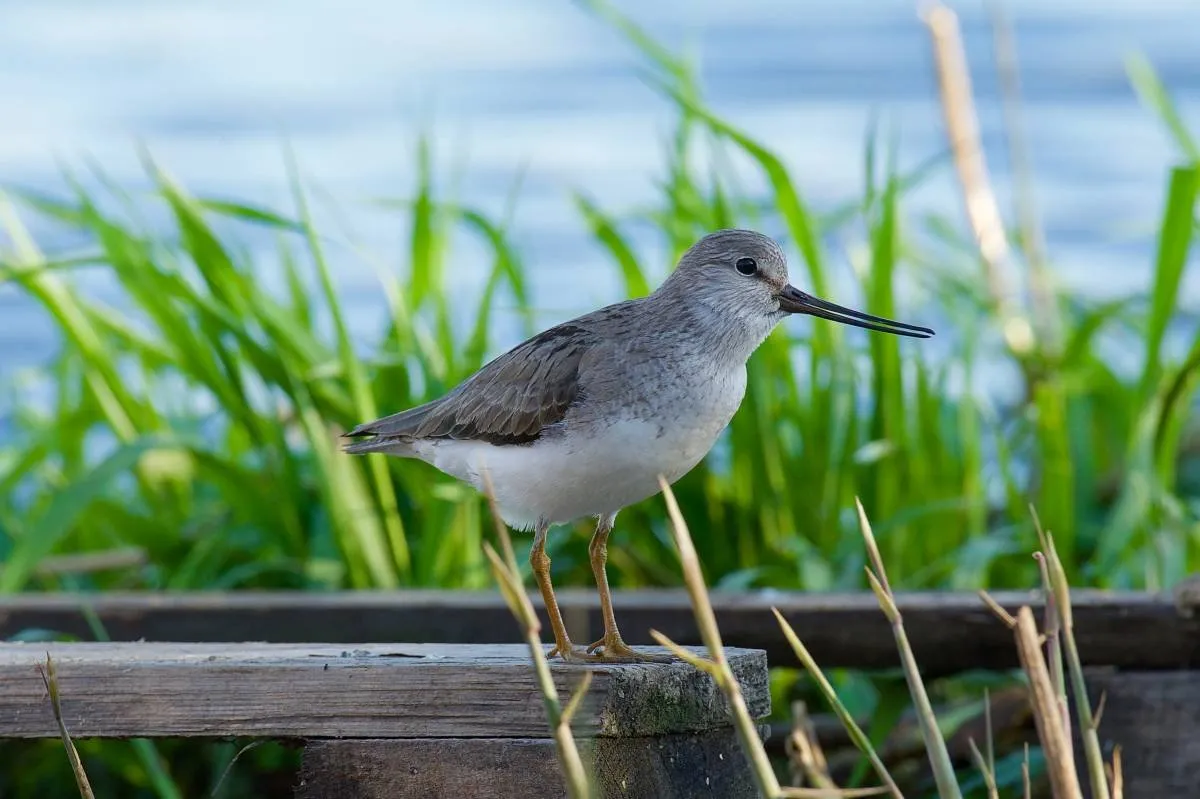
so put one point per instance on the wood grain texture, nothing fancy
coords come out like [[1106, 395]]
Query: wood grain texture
[[371, 690], [949, 632], [1154, 717], [665, 767]]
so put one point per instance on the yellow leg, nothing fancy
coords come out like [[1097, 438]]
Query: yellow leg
[[611, 646], [540, 562]]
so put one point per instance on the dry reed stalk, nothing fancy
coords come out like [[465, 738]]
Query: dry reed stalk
[[91, 562], [989, 777], [508, 578], [50, 680], [855, 732], [1047, 683], [1114, 772], [804, 751], [935, 744], [718, 667], [983, 212], [829, 793], [1026, 783], [216, 791], [1009, 620], [1041, 288], [1055, 738], [1052, 629], [1089, 723], [987, 764]]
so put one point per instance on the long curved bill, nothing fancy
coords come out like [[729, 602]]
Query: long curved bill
[[793, 300]]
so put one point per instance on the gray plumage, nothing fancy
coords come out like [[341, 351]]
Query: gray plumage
[[586, 417], [511, 400], [519, 396]]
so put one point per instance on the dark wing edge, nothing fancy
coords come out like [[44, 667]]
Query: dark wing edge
[[510, 401], [395, 424]]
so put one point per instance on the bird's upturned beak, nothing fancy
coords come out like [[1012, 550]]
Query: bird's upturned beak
[[793, 300]]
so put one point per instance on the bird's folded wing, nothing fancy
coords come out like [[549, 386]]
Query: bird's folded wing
[[511, 400]]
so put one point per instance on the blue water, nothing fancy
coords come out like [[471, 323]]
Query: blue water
[[539, 89]]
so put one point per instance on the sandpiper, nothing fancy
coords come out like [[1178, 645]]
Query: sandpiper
[[581, 419]]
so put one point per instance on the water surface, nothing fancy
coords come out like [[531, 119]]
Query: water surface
[[540, 89]]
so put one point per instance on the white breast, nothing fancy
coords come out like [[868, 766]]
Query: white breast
[[597, 467]]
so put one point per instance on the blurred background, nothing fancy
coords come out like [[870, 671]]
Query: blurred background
[[229, 231], [538, 100]]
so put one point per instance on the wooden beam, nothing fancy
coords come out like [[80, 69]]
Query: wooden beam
[[1152, 717], [365, 691], [664, 767], [950, 632]]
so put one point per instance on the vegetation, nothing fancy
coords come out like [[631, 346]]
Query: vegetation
[[1044, 669], [196, 418]]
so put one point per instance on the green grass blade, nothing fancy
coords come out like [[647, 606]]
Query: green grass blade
[[1174, 242], [604, 230], [69, 504], [1155, 97], [364, 401]]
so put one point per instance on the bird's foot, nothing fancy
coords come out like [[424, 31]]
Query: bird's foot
[[611, 649]]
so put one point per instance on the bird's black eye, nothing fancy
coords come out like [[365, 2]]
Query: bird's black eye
[[746, 266]]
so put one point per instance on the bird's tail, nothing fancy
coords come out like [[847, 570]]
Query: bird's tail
[[390, 445]]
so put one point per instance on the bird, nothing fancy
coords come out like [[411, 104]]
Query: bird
[[581, 419]]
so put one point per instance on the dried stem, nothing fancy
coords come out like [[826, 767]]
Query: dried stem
[[508, 578], [1051, 631], [216, 791], [856, 733], [935, 745], [804, 751], [829, 793], [1009, 620], [706, 621], [1088, 723], [1027, 793], [1056, 742], [983, 213], [1032, 238], [989, 777], [1118, 780], [987, 724], [50, 680], [91, 562]]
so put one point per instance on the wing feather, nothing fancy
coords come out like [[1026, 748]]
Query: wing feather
[[511, 400]]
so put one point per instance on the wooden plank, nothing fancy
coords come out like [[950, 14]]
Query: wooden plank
[[664, 767], [949, 632], [1152, 716], [417, 769], [368, 690]]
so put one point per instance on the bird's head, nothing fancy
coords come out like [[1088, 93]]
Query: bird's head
[[740, 278]]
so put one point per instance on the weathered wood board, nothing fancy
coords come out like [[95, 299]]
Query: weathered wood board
[[949, 632], [1155, 718], [680, 766], [362, 691]]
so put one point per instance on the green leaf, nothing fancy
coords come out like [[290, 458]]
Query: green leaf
[[1155, 97], [68, 505], [1174, 242]]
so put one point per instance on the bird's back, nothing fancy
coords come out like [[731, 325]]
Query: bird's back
[[635, 380], [517, 396]]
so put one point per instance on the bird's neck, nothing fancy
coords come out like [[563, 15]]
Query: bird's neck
[[720, 331]]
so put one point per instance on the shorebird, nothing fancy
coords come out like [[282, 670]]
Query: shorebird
[[580, 420]]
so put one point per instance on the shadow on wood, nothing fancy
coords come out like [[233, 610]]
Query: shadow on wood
[[675, 766], [1155, 718]]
